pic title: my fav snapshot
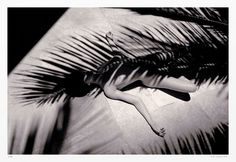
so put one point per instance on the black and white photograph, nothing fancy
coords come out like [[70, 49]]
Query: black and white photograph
[[118, 80]]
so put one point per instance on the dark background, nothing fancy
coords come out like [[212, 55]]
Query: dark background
[[26, 26]]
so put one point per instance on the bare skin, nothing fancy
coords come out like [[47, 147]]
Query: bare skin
[[112, 88]]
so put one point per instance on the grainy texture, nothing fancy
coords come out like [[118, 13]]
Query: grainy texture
[[101, 125]]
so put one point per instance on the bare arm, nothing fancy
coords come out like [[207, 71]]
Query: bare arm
[[181, 84]]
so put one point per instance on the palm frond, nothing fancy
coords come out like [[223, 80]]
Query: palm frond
[[73, 58], [199, 52], [203, 16], [174, 42], [164, 46]]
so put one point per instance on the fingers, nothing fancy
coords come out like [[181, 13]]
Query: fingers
[[181, 84]]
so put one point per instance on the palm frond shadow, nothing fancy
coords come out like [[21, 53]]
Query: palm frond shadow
[[30, 141], [197, 146], [55, 137], [55, 140]]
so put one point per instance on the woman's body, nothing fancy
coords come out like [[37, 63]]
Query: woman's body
[[124, 75], [117, 74]]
